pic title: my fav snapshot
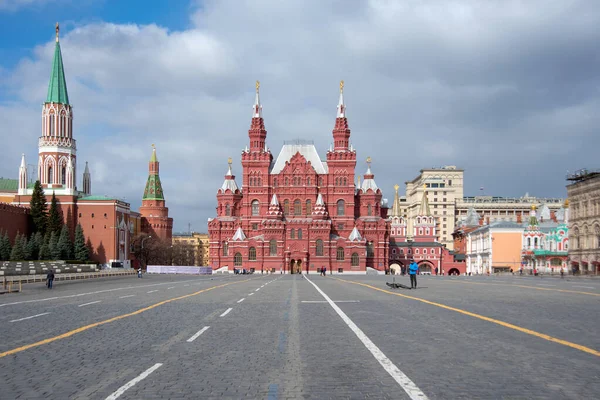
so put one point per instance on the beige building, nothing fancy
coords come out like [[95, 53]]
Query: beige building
[[515, 209], [190, 249], [584, 221], [444, 186], [494, 248]]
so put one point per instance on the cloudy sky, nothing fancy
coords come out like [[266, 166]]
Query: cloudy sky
[[508, 90]]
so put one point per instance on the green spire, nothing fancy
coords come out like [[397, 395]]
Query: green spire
[[57, 89], [153, 189]]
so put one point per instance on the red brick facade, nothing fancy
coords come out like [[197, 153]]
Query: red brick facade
[[13, 220]]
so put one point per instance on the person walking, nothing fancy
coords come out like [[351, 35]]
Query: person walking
[[50, 278], [412, 271], [562, 273]]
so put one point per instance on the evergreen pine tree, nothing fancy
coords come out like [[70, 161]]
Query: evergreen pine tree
[[17, 253], [65, 245], [81, 250], [38, 209], [53, 248], [27, 247], [38, 241], [55, 218], [45, 253], [5, 247]]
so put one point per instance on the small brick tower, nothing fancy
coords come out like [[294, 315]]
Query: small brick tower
[[155, 215]]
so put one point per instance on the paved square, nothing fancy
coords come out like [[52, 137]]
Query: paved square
[[339, 337]]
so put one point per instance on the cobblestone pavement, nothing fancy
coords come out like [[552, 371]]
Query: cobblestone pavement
[[275, 337]]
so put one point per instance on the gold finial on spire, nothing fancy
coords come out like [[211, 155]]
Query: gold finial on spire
[[257, 86], [396, 187], [229, 161], [341, 86], [369, 161], [153, 146], [57, 29]]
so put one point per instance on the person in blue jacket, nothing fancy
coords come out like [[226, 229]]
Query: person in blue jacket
[[412, 271]]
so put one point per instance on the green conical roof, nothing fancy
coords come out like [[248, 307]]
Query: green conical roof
[[57, 89], [153, 189]]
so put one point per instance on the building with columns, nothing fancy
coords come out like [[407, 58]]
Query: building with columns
[[297, 212], [583, 193], [108, 222]]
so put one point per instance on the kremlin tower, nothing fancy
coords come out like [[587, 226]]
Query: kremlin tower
[[155, 215]]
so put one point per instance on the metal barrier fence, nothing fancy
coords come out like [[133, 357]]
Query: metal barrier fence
[[14, 283]]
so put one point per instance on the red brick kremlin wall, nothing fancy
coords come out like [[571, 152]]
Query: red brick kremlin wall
[[13, 219]]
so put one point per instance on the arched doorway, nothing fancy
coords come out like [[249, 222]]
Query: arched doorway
[[295, 266], [425, 268], [454, 271]]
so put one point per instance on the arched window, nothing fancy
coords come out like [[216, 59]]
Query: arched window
[[225, 248], [63, 175], [51, 123], [308, 207], [297, 207], [535, 242], [286, 181], [425, 251], [50, 175], [354, 259], [252, 254], [319, 249], [320, 181], [307, 181], [227, 210], [293, 234], [341, 207], [275, 182], [273, 247], [340, 254], [528, 242], [345, 181], [299, 233], [255, 208], [237, 260], [286, 207], [259, 181], [416, 251], [369, 210]]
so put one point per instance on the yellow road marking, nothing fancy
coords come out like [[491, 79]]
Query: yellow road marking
[[495, 321], [107, 321], [524, 286]]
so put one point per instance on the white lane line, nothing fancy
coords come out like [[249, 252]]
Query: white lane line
[[240, 300], [129, 295], [172, 287], [87, 304], [544, 284], [324, 301], [404, 381], [33, 316], [132, 382], [186, 285], [152, 291], [585, 287], [250, 294], [98, 291], [226, 312], [257, 290], [197, 334]]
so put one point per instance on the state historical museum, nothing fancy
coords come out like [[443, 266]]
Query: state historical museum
[[299, 213]]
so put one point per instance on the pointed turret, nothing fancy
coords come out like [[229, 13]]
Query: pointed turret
[[257, 132], [22, 176], [70, 177], [424, 209], [153, 189], [239, 235], [274, 208], [319, 211], [369, 181], [229, 182], [533, 221], [355, 236], [87, 180], [341, 131], [57, 89]]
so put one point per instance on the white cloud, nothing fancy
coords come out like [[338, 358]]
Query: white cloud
[[489, 86]]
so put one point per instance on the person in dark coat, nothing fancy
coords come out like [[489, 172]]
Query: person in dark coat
[[412, 271], [50, 278]]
